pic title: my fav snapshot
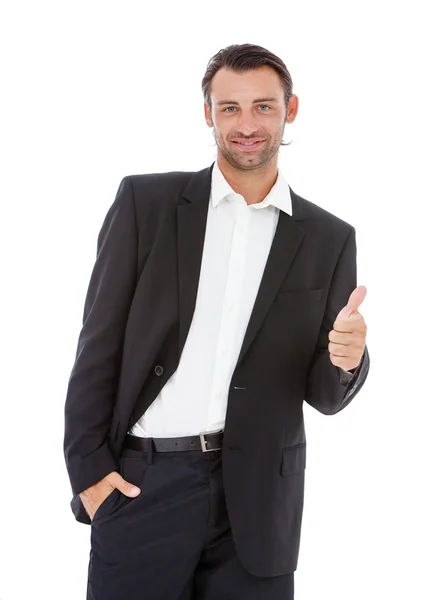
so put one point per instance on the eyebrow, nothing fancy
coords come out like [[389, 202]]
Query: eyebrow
[[267, 99]]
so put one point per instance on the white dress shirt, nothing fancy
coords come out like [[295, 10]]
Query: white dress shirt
[[237, 242]]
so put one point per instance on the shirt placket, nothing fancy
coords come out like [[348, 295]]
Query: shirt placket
[[231, 311]]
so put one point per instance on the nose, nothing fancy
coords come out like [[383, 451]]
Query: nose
[[247, 124]]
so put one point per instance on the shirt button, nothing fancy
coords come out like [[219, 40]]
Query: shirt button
[[158, 369], [218, 394]]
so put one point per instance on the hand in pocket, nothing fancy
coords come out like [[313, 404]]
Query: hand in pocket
[[94, 496]]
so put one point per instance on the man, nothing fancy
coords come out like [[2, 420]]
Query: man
[[220, 300]]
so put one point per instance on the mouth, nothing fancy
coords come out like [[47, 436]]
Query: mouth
[[248, 145]]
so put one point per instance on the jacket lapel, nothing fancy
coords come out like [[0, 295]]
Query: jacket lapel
[[191, 225], [285, 245]]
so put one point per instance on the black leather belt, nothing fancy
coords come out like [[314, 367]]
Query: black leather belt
[[206, 442]]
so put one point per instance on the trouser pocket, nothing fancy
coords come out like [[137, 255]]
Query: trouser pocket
[[102, 508], [132, 467]]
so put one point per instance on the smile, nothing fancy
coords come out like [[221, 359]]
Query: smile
[[249, 145]]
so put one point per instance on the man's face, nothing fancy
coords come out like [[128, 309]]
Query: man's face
[[249, 107]]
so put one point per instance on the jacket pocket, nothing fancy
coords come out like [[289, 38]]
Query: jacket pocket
[[300, 296], [293, 459]]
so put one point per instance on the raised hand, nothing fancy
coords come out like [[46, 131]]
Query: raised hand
[[348, 337]]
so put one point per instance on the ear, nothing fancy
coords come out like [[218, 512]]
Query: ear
[[292, 109], [208, 117]]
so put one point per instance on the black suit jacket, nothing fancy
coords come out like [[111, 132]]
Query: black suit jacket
[[138, 310]]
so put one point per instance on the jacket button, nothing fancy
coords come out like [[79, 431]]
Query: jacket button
[[158, 369]]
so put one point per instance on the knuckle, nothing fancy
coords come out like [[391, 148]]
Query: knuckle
[[112, 478], [127, 487]]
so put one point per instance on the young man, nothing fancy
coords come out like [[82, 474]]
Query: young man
[[219, 302]]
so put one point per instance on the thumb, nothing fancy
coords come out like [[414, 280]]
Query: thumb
[[357, 296], [128, 489]]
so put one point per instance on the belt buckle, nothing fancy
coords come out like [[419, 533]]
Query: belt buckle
[[204, 442]]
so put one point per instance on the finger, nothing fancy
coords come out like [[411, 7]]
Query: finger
[[338, 349], [357, 296], [341, 361], [128, 489], [339, 337], [347, 325]]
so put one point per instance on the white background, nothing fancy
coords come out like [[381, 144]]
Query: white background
[[94, 91]]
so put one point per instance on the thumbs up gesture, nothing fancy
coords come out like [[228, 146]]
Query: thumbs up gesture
[[347, 338]]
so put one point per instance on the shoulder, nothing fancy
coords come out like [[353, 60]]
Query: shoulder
[[319, 216], [153, 195], [159, 183]]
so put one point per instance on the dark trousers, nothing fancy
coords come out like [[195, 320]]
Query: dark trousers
[[173, 541]]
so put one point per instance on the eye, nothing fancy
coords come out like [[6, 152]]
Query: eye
[[260, 105]]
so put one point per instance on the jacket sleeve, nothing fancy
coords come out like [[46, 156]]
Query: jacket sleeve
[[94, 378], [328, 389]]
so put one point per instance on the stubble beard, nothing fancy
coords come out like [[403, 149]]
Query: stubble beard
[[241, 161]]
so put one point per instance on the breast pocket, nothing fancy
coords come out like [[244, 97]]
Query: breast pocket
[[300, 297], [293, 459]]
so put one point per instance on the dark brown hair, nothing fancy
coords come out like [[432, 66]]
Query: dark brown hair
[[242, 58]]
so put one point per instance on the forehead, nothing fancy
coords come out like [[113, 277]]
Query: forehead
[[230, 85]]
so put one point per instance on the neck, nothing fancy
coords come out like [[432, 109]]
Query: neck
[[253, 184]]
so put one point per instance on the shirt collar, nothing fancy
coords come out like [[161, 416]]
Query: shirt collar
[[278, 196]]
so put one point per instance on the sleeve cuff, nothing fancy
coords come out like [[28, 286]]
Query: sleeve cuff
[[87, 470], [346, 376]]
